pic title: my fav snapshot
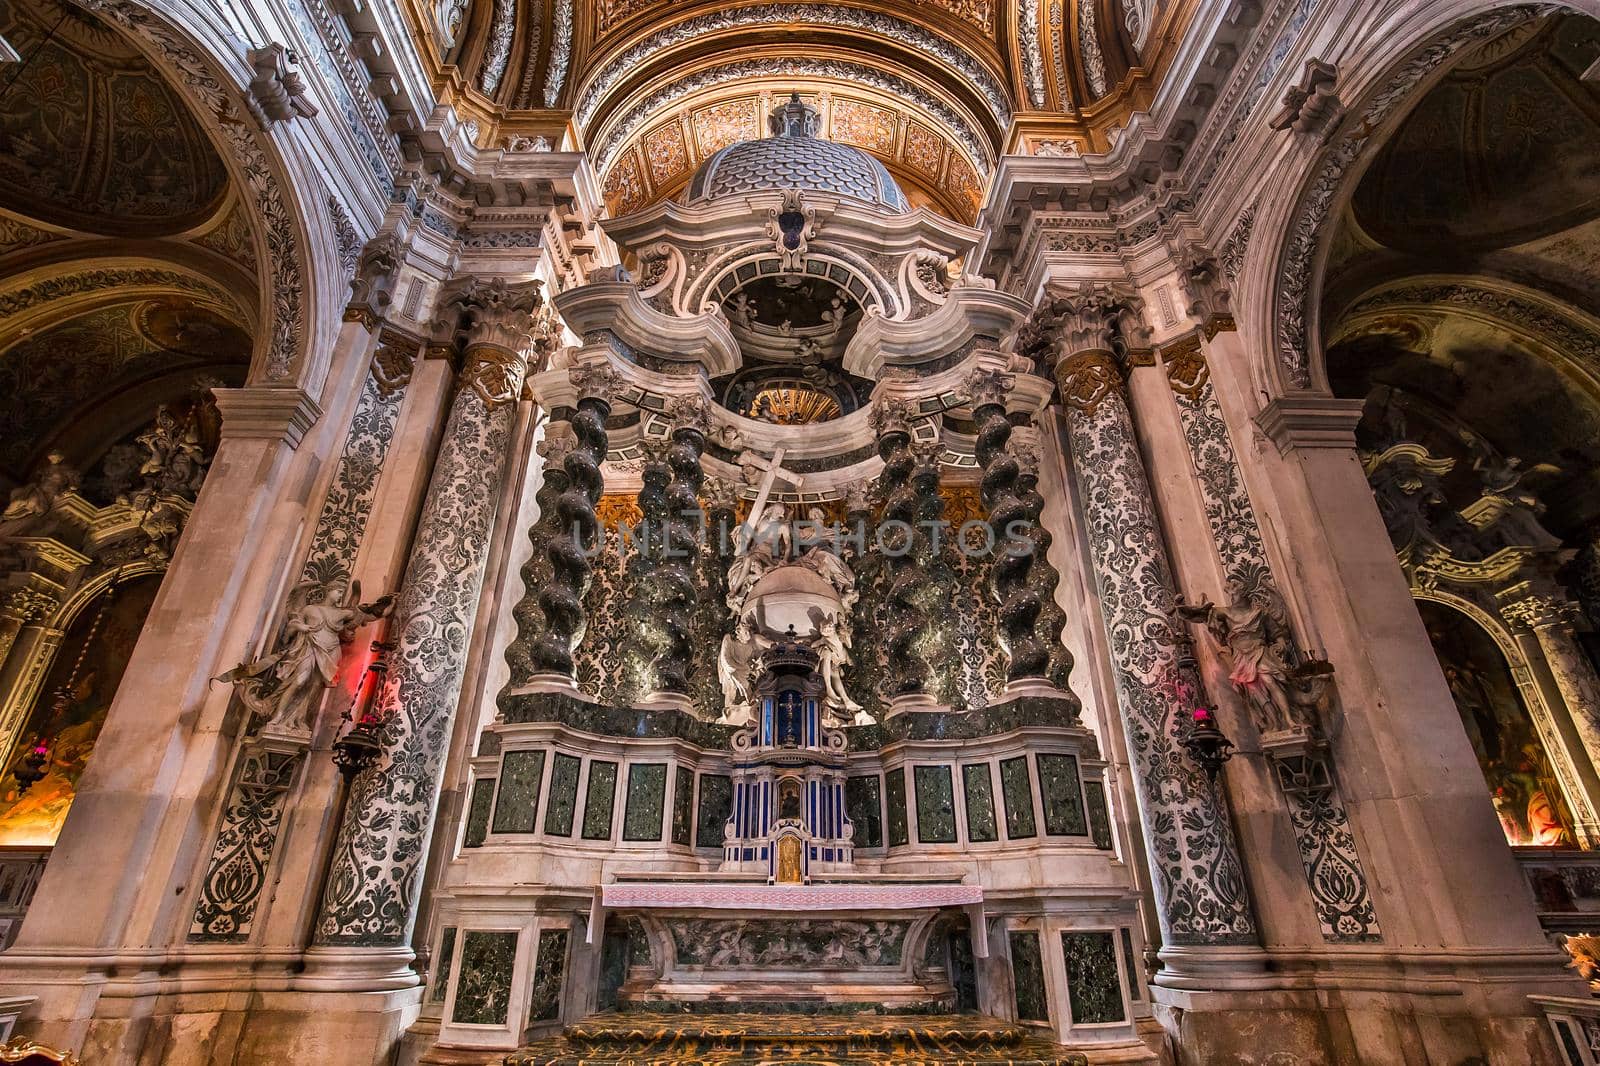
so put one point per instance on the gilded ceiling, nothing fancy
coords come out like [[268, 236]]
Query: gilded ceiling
[[91, 138], [932, 88]]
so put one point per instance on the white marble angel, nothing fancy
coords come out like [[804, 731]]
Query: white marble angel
[[832, 645], [288, 683], [733, 671], [823, 556]]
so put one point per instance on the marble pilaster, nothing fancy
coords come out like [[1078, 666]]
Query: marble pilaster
[[1199, 884], [369, 899], [1551, 619]]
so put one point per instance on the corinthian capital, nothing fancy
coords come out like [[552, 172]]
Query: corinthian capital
[[1085, 316], [891, 415], [474, 312], [1536, 612], [595, 381], [989, 388]]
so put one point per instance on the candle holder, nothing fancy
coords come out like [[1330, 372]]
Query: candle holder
[[1206, 743], [31, 770]]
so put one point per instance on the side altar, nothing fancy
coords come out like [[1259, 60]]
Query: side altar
[[789, 724]]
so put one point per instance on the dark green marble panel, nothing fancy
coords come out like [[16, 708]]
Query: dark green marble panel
[[863, 804], [478, 811], [716, 804], [979, 790], [1016, 794], [936, 805], [646, 803], [682, 805], [562, 806], [1094, 990], [601, 798], [441, 965], [1094, 795], [1027, 974], [549, 967], [483, 991], [516, 808], [1130, 964], [1062, 794], [894, 791]]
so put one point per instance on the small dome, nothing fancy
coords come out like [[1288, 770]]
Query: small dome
[[795, 158]]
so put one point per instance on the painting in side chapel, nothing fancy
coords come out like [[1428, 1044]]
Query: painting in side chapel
[[34, 818], [1522, 783]]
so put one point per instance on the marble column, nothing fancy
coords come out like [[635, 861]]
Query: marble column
[[907, 621], [681, 547], [558, 441], [1551, 619], [1010, 511], [575, 539], [646, 638], [369, 898], [1199, 884]]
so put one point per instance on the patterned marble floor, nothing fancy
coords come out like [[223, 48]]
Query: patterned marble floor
[[636, 1039]]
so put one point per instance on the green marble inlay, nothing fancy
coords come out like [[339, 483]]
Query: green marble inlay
[[1129, 964], [716, 804], [601, 798], [478, 811], [1027, 973], [647, 801], [516, 809], [863, 803], [1093, 989], [1062, 795], [1016, 793], [548, 969], [894, 789], [441, 969], [979, 789], [483, 992], [682, 805], [562, 805], [1094, 795], [936, 805]]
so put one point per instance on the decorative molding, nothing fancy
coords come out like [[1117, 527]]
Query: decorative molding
[[560, 52], [236, 874], [1094, 60], [1298, 420], [1028, 45], [267, 413], [502, 29]]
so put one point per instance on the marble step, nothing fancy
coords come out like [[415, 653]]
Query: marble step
[[639, 1039]]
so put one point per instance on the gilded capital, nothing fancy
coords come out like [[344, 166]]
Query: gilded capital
[[1086, 316], [1537, 612]]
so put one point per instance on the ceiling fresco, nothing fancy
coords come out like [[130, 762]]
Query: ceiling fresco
[[91, 138]]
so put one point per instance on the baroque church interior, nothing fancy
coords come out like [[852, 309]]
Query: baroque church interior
[[675, 531]]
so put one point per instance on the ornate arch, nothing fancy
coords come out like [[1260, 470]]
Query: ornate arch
[[1409, 66], [254, 162]]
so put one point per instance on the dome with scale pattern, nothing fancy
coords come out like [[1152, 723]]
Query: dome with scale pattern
[[794, 157]]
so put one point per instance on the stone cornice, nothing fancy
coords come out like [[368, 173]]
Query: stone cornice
[[1297, 421], [970, 313], [263, 412], [705, 339]]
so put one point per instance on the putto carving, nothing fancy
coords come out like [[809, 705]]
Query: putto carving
[[31, 502], [1312, 104], [277, 91], [372, 286]]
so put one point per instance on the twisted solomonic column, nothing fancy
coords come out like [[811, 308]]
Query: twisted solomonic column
[[902, 484], [371, 893], [1009, 513], [649, 551], [1199, 882], [676, 579], [558, 441], [569, 550]]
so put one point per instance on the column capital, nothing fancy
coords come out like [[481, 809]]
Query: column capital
[[484, 312], [989, 387], [1539, 612], [1084, 316], [1205, 287], [595, 381], [688, 412], [259, 412], [892, 414], [25, 603]]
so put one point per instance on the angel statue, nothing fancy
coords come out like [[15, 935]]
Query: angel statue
[[756, 553], [823, 556], [38, 497], [1254, 636], [288, 684], [832, 645], [733, 671]]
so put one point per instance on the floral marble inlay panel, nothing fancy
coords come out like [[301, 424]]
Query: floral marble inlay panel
[[863, 804], [646, 802], [550, 966], [483, 991], [1062, 794], [895, 794], [979, 790], [1094, 990], [482, 802], [716, 805], [1016, 795], [599, 801], [237, 872], [682, 805], [562, 806], [936, 805], [1027, 975], [516, 809]]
